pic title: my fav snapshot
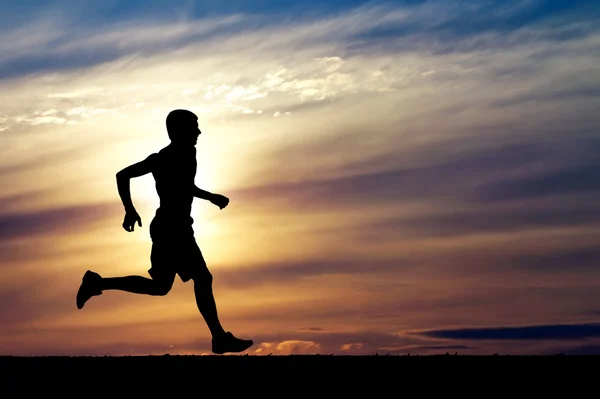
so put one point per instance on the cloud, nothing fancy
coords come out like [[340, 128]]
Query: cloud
[[536, 332], [576, 180], [265, 346], [485, 220], [271, 272], [583, 258], [53, 47], [553, 94], [484, 175], [312, 329], [28, 302], [52, 221], [298, 347], [11, 203], [327, 342], [323, 67], [351, 346], [438, 25]]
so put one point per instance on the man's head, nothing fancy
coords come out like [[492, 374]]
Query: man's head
[[182, 127]]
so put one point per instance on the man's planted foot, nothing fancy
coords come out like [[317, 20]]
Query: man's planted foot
[[90, 286], [228, 343]]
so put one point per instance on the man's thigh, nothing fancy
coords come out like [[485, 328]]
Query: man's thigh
[[192, 264], [181, 256], [163, 263]]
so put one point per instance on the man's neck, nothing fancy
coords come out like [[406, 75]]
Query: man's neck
[[182, 147]]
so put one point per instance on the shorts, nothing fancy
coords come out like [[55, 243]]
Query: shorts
[[175, 252]]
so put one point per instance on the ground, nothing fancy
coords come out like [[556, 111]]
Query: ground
[[472, 363]]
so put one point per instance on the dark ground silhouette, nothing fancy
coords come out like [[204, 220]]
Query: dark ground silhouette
[[174, 248], [502, 368]]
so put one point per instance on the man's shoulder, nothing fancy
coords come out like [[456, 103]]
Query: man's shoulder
[[163, 152], [170, 154], [154, 157]]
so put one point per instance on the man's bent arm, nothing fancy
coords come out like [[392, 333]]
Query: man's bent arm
[[202, 194], [124, 192], [125, 175]]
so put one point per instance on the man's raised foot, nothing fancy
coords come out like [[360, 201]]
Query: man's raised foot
[[228, 343], [90, 286]]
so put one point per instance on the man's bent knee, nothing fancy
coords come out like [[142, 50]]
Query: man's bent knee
[[161, 288]]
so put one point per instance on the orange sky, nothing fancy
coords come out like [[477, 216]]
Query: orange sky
[[377, 191]]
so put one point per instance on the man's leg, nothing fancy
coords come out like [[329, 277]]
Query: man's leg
[[207, 306], [93, 284], [161, 258], [162, 274], [222, 341], [196, 270], [138, 285]]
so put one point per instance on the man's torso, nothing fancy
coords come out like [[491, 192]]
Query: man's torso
[[174, 170]]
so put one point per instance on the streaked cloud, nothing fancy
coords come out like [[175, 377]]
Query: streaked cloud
[[52, 221], [547, 332]]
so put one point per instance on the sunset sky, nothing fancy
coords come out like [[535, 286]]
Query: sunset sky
[[404, 176]]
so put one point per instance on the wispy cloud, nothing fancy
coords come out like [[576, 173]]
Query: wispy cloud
[[18, 225], [547, 332]]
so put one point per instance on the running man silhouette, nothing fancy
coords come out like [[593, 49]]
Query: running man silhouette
[[174, 248]]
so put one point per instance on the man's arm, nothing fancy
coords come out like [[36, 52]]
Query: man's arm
[[202, 194], [219, 200], [123, 178]]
